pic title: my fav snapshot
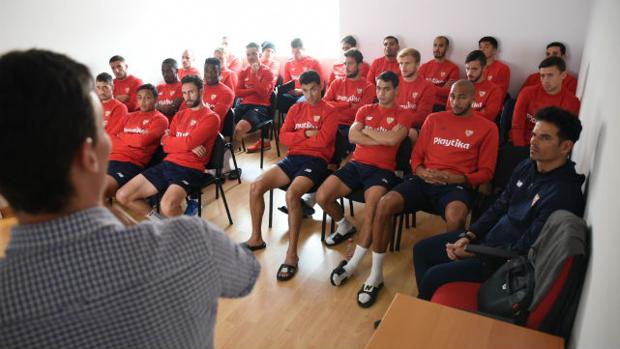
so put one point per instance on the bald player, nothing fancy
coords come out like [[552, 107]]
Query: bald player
[[440, 71], [456, 151], [187, 60]]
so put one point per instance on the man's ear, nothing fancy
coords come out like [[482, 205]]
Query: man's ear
[[87, 156], [566, 147]]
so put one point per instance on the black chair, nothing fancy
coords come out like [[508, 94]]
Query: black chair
[[217, 163], [266, 126], [505, 120], [229, 129]]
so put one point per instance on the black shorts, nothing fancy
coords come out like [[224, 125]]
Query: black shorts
[[166, 173], [122, 171], [252, 113], [432, 198], [342, 147], [356, 175], [307, 166]]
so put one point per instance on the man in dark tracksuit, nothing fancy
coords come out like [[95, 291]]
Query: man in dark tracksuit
[[539, 186]]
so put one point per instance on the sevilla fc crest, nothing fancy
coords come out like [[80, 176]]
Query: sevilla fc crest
[[482, 93], [443, 74], [368, 118], [468, 133], [490, 77], [172, 92], [359, 91], [107, 113], [213, 96], [193, 123], [127, 90], [144, 122], [316, 118], [390, 120], [414, 95]]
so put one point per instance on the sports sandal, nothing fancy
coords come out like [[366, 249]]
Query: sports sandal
[[337, 238], [337, 272], [286, 272], [371, 291], [255, 247]]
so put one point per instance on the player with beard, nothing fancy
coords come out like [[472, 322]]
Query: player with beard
[[125, 84], [114, 111], [440, 71], [456, 150], [415, 94], [496, 71], [489, 97], [188, 143], [170, 95], [339, 69], [387, 62]]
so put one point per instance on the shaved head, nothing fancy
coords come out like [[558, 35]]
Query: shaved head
[[466, 86], [462, 94]]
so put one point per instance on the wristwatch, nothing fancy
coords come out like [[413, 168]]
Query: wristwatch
[[466, 236]]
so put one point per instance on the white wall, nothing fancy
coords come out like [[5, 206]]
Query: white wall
[[598, 153], [147, 32], [523, 28]]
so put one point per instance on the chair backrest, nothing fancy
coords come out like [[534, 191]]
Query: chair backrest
[[505, 119], [403, 156], [216, 161], [508, 158]]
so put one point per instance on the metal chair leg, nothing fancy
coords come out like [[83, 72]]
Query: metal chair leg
[[270, 207]]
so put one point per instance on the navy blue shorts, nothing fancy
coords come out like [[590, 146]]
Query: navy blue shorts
[[122, 171], [356, 175], [166, 173], [304, 165], [252, 113], [432, 198]]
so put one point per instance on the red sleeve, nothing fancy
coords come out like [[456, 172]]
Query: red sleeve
[[133, 95], [317, 67], [442, 91], [519, 120], [332, 77], [330, 96], [119, 113], [327, 132], [486, 159], [530, 81], [574, 106], [287, 73], [494, 104], [371, 73], [505, 78], [425, 106], [234, 64], [234, 80], [223, 105], [571, 85], [153, 133], [243, 92], [419, 149], [264, 87], [288, 135], [206, 129]]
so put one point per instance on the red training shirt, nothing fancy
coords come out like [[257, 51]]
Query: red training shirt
[[293, 69], [439, 74], [114, 114], [569, 82], [168, 93], [417, 97], [139, 137], [189, 71], [339, 72], [229, 78], [347, 96], [380, 65], [499, 73], [255, 88], [218, 98], [128, 86], [488, 100]]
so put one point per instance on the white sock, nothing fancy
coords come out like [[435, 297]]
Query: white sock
[[227, 157], [358, 255], [376, 271], [309, 198], [343, 226]]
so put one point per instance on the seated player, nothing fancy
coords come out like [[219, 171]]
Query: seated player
[[114, 111], [135, 144], [496, 71], [540, 185], [347, 95], [551, 91], [377, 131], [415, 94], [386, 63], [339, 69], [309, 131], [187, 60], [554, 49], [456, 151], [219, 98], [268, 49], [440, 71], [170, 96], [188, 143], [254, 90], [489, 97], [228, 76], [232, 63], [125, 84]]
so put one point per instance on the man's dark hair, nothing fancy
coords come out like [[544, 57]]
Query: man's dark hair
[[355, 53], [267, 44], [444, 38], [476, 55], [172, 62], [105, 77], [193, 79], [491, 40], [252, 45], [297, 43], [391, 37], [117, 58], [558, 44], [310, 76], [569, 125], [349, 39], [45, 109], [148, 87], [389, 76], [553, 62], [213, 61]]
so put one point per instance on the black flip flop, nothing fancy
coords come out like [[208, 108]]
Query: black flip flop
[[372, 291], [254, 248], [341, 238], [338, 271], [288, 270]]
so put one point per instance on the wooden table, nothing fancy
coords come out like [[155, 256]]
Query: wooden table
[[413, 323], [5, 233]]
